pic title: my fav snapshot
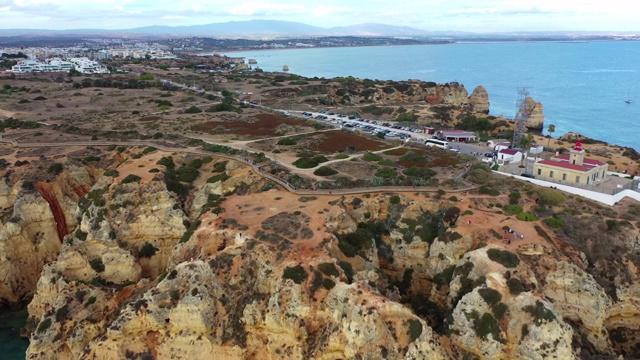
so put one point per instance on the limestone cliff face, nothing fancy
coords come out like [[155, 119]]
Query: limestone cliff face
[[578, 297], [449, 93], [27, 241], [479, 99], [201, 310], [126, 232], [493, 323], [32, 236], [534, 111], [231, 271]]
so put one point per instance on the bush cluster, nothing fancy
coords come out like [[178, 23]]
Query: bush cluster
[[506, 258], [296, 273]]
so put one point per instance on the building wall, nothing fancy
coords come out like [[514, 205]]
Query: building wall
[[569, 176]]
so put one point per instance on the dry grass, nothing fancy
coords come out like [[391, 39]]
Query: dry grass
[[338, 140]]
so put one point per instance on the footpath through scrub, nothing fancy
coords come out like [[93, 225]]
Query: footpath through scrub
[[468, 186]]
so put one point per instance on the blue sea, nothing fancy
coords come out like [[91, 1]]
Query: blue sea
[[12, 346], [582, 85]]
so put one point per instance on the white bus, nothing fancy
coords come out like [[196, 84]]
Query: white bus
[[437, 143]]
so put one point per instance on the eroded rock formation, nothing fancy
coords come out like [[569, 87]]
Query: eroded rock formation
[[479, 99], [235, 269]]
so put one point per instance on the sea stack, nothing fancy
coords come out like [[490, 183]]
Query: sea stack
[[285, 68], [533, 112], [479, 99], [253, 61]]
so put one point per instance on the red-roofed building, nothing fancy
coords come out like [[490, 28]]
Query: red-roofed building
[[509, 156], [571, 169]]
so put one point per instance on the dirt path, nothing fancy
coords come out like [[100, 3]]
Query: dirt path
[[246, 161], [6, 113]]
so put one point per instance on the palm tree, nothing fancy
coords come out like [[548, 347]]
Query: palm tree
[[525, 144], [551, 129]]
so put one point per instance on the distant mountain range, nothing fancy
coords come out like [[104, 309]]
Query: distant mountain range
[[246, 29]]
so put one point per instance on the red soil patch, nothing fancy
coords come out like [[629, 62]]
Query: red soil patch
[[335, 141], [265, 125], [150, 118], [46, 190]]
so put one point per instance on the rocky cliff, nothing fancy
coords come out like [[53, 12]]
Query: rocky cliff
[[236, 269], [479, 99], [532, 110], [39, 216]]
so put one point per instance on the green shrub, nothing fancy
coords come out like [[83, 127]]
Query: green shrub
[[305, 163], [551, 197], [147, 250], [415, 329], [296, 273], [506, 258], [444, 277], [80, 235], [348, 270], [287, 141], [131, 178], [386, 162], [371, 157], [553, 222], [490, 296], [219, 166], [166, 162], [412, 157], [486, 325], [514, 197], [526, 216], [488, 190], [44, 325], [420, 172], [193, 110], [97, 265], [187, 174], [91, 300], [539, 312], [55, 168], [394, 200], [324, 171], [148, 149], [386, 173], [328, 283], [612, 224], [111, 173], [499, 310], [515, 286], [219, 177], [512, 209], [329, 269]]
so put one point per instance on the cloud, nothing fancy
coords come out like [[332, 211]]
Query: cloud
[[465, 15]]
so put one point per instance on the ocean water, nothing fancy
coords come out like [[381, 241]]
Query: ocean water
[[582, 85], [12, 346]]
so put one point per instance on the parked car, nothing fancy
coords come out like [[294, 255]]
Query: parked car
[[527, 175]]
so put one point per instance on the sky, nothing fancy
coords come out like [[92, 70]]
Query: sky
[[435, 15]]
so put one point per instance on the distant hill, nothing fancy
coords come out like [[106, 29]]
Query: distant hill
[[242, 29]]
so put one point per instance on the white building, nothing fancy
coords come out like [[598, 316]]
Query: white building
[[86, 66], [509, 156]]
